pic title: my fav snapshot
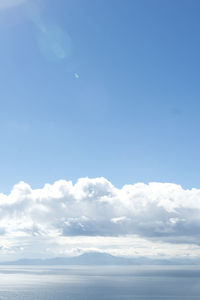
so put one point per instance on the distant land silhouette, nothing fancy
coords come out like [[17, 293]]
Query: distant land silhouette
[[97, 258]]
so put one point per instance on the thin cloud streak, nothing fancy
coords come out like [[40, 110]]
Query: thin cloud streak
[[10, 3]]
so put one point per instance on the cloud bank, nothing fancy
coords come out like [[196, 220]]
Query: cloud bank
[[155, 213]]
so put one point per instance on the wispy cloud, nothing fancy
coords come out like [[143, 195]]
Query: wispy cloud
[[10, 3]]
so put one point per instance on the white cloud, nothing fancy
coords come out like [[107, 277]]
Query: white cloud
[[155, 213]]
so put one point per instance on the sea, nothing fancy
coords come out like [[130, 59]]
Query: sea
[[99, 282]]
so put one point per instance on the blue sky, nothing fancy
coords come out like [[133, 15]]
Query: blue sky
[[99, 88], [96, 96]]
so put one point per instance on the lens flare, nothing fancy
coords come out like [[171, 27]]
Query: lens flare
[[54, 43]]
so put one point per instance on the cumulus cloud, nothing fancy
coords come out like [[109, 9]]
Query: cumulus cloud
[[156, 212]]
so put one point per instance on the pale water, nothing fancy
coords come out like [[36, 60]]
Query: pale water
[[99, 282]]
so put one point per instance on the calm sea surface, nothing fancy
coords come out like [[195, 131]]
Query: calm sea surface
[[99, 282]]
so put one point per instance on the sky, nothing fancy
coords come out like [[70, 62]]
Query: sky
[[99, 92]]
